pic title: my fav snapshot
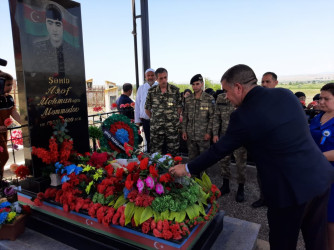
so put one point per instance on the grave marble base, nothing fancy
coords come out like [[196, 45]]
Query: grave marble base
[[84, 231]]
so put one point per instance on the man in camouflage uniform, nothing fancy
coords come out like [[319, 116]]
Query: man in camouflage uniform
[[221, 119], [197, 118], [163, 106]]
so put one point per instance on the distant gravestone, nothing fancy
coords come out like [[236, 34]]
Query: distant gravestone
[[50, 71]]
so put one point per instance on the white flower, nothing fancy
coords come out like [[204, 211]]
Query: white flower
[[16, 207]]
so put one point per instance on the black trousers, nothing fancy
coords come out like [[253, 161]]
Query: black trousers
[[310, 217], [146, 127]]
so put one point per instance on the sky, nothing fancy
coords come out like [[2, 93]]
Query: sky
[[187, 37]]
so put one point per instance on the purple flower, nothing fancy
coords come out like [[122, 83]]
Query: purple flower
[[149, 182], [9, 191], [159, 189], [140, 185]]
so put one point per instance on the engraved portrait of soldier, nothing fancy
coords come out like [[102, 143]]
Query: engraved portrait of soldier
[[58, 53]]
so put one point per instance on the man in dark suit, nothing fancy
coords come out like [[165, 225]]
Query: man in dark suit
[[295, 175]]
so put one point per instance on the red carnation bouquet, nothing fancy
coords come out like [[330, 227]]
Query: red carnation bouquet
[[22, 172], [60, 147], [98, 109]]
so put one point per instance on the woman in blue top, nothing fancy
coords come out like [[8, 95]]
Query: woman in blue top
[[322, 130]]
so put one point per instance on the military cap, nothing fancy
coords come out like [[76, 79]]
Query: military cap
[[300, 94], [196, 78], [53, 12], [316, 97]]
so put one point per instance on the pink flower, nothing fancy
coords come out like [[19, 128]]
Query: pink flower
[[1, 149], [159, 188], [140, 185], [114, 105], [8, 122], [126, 105], [149, 182], [132, 104], [122, 106]]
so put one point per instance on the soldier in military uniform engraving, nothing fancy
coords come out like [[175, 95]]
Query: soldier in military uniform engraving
[[163, 106], [221, 119], [53, 54], [197, 118]]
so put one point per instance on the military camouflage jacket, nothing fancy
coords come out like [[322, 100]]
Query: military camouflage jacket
[[164, 107], [198, 116], [222, 114]]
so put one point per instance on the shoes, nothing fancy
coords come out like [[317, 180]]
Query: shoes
[[259, 203], [225, 189], [240, 197]]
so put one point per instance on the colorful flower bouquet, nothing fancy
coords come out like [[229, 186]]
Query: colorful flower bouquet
[[60, 150], [10, 211], [12, 219], [137, 192], [10, 187], [140, 194]]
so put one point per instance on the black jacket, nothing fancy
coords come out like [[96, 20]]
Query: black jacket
[[272, 125]]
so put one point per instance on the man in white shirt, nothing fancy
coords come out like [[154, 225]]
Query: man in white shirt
[[141, 117]]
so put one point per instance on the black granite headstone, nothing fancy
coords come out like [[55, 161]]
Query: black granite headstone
[[50, 69]]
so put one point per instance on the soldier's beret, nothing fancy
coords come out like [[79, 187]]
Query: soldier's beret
[[196, 78], [299, 94], [53, 12]]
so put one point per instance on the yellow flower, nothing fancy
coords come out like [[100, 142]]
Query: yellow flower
[[86, 168], [11, 216], [89, 186], [98, 174]]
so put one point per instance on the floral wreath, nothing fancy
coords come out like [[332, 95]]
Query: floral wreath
[[123, 130]]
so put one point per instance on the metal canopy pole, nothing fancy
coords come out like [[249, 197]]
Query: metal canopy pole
[[145, 37], [134, 33]]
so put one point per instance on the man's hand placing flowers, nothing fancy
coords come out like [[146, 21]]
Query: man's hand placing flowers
[[179, 170]]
